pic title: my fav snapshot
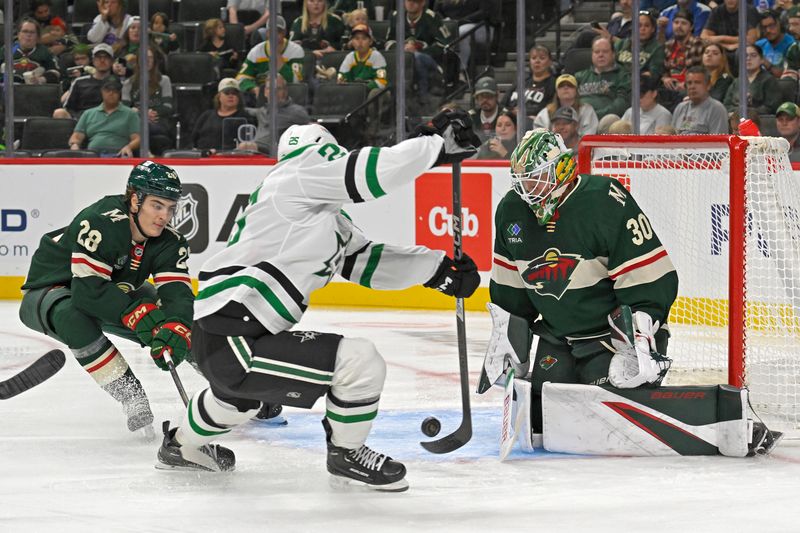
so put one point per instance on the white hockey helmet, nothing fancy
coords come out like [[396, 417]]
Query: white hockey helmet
[[302, 135]]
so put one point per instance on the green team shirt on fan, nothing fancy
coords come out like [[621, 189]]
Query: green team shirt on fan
[[598, 251], [255, 69], [95, 256], [371, 69]]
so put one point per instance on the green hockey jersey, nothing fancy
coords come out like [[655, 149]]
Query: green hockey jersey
[[370, 69], [96, 257], [598, 251]]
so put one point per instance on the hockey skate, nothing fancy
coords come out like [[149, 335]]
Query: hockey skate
[[364, 467], [764, 440], [140, 417], [210, 458], [270, 415]]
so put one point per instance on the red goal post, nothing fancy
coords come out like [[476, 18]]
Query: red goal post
[[727, 209]]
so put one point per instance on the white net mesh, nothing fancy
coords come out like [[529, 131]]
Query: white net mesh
[[683, 186]]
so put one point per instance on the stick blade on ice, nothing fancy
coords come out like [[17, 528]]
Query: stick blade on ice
[[42, 369]]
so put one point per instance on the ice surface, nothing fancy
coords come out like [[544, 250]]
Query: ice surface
[[68, 463]]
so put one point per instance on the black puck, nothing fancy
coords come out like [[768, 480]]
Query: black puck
[[431, 426]]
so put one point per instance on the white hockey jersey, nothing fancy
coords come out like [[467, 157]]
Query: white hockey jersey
[[293, 236]]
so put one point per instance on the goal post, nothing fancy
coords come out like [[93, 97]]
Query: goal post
[[727, 209]]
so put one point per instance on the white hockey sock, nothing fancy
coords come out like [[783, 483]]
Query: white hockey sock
[[207, 417], [101, 360]]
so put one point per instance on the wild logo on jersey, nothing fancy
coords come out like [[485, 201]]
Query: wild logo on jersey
[[549, 274]]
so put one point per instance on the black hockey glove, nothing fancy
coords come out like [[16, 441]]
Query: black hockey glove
[[455, 127], [456, 278]]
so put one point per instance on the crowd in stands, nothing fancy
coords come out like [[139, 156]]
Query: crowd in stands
[[688, 61]]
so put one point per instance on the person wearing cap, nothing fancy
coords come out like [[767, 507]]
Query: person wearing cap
[[85, 91], [208, 130], [255, 68], [651, 113], [774, 43], [787, 121], [110, 24], [606, 85], [540, 87], [791, 18], [567, 95], [502, 143], [28, 55], [699, 113], [484, 117], [651, 51], [317, 29], [111, 128], [682, 51], [699, 13], [565, 123]]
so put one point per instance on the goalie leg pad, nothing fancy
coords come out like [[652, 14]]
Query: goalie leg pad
[[593, 420], [509, 345]]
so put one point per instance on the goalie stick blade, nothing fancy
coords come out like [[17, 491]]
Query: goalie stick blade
[[451, 442], [42, 369]]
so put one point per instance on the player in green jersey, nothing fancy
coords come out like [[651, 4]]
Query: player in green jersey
[[91, 278]]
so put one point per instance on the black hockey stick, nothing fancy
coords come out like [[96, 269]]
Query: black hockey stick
[[42, 369], [461, 435], [176, 378]]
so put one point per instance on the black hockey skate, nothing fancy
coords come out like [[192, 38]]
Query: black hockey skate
[[764, 440], [210, 458], [270, 415], [365, 467]]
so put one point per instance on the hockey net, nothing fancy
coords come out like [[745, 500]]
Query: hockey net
[[728, 211]]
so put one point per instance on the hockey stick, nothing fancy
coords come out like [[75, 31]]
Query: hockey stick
[[176, 378], [42, 369], [461, 435]]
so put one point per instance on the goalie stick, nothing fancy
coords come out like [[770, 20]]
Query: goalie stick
[[42, 369], [463, 434]]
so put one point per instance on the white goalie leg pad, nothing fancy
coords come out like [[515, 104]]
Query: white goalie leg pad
[[591, 420], [515, 425], [356, 388]]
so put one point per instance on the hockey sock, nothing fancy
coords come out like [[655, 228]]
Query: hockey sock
[[350, 422], [207, 417], [102, 361]]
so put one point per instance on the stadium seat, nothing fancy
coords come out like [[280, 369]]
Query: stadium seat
[[70, 153], [183, 154], [333, 59], [36, 100], [333, 101], [191, 70], [767, 125], [576, 59], [389, 55], [380, 30], [197, 11], [83, 12], [40, 133], [788, 89], [298, 92], [59, 8], [153, 6]]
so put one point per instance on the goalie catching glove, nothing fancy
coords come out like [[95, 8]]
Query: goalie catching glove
[[455, 127], [456, 278], [144, 318], [636, 360], [509, 346], [173, 337]]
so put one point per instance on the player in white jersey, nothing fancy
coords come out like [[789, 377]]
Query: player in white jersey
[[291, 240]]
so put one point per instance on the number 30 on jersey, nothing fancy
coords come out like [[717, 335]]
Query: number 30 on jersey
[[641, 229]]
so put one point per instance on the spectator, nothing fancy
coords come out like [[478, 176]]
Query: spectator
[[207, 134], [605, 86], [33, 62], [289, 114], [109, 25], [567, 95], [161, 36], [699, 113], [620, 24], [85, 91], [484, 117], [723, 25], [257, 63], [216, 43], [565, 123], [651, 52], [715, 61], [504, 140], [651, 113], [682, 51], [620, 127], [763, 92], [355, 18], [425, 38], [111, 128], [540, 86], [54, 29], [468, 13], [347, 6], [734, 121], [775, 42], [787, 120], [126, 48], [160, 101], [316, 29], [252, 14], [666, 129], [793, 22], [698, 11], [81, 56]]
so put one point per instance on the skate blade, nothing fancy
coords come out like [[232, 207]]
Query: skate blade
[[352, 485], [777, 438], [274, 421], [186, 468]]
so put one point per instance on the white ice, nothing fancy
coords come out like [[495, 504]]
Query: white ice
[[68, 463]]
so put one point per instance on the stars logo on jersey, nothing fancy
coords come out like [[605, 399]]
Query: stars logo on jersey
[[332, 263], [549, 274], [305, 335], [514, 232]]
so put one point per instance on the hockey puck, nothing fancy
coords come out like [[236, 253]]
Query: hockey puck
[[431, 426]]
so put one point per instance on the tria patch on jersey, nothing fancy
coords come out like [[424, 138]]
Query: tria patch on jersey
[[514, 233], [549, 274]]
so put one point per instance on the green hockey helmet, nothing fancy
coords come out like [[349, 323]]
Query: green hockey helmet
[[149, 177], [541, 168]]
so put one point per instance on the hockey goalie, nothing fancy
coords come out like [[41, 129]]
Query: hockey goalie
[[578, 267]]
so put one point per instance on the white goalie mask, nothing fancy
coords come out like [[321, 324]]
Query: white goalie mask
[[302, 135]]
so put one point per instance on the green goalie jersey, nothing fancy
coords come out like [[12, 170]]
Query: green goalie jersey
[[597, 252], [96, 257]]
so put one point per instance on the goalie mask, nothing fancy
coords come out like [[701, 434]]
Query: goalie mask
[[541, 169], [298, 136]]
